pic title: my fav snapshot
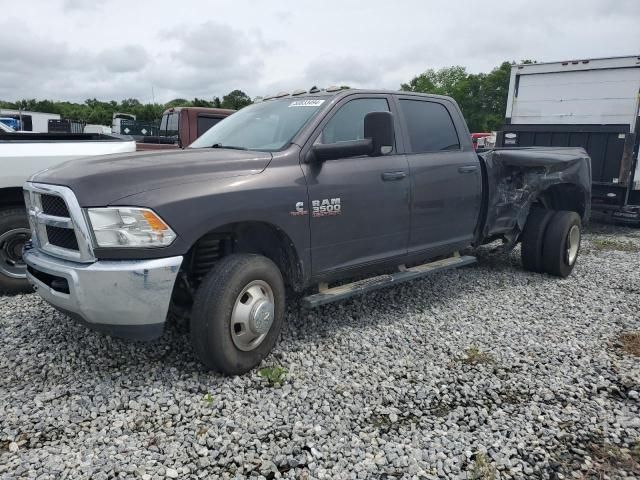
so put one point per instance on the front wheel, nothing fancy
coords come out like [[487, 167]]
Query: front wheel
[[14, 233], [238, 313]]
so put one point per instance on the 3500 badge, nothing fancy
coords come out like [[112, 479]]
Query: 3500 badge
[[326, 207]]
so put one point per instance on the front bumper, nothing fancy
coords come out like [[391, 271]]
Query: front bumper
[[122, 298]]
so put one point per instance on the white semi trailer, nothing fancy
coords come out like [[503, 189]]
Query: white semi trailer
[[590, 103], [37, 122]]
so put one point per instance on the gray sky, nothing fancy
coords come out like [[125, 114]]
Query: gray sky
[[115, 49]]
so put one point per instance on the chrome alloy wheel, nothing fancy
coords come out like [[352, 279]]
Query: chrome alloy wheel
[[252, 316], [573, 243], [11, 242]]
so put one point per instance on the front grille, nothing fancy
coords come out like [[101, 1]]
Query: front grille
[[62, 237], [53, 205], [57, 224]]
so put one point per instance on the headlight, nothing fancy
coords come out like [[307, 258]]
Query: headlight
[[129, 227]]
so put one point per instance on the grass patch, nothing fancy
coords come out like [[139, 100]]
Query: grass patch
[[610, 459], [613, 245], [482, 469], [441, 410], [475, 356], [385, 424], [274, 375], [630, 343]]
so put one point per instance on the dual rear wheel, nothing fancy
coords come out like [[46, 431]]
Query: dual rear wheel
[[551, 241]]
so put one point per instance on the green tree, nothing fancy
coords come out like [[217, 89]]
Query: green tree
[[178, 102], [101, 112], [482, 97], [441, 82], [200, 102], [236, 100]]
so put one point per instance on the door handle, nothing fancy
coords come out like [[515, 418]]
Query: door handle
[[468, 168], [391, 176]]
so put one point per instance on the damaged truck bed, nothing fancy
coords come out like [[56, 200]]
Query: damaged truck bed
[[518, 178]]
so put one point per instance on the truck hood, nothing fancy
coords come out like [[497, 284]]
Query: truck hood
[[99, 181]]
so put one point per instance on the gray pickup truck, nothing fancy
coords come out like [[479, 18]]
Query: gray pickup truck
[[299, 191]]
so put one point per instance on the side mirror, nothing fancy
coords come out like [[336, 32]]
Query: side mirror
[[378, 126], [332, 151], [379, 140]]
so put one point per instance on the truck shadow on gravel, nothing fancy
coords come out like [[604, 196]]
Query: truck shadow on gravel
[[494, 269]]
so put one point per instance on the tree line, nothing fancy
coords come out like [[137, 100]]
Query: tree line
[[99, 112], [482, 98]]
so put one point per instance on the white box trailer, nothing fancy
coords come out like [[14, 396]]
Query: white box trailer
[[590, 103], [37, 122]]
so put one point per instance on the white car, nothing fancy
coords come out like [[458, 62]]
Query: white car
[[21, 155]]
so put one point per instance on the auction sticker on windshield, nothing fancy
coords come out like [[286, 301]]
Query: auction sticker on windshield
[[306, 103]]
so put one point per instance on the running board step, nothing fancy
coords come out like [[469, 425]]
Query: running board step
[[374, 283]]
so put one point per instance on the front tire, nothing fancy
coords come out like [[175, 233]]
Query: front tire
[[238, 313], [14, 232], [562, 243]]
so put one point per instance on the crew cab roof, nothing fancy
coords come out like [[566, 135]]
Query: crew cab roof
[[345, 92], [199, 110]]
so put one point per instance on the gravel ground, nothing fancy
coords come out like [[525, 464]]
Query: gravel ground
[[485, 372]]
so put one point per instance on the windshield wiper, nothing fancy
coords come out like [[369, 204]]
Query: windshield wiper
[[231, 147]]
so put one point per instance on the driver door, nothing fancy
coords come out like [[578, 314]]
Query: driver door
[[358, 206]]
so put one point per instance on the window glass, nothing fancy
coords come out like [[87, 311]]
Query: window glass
[[430, 126], [163, 124], [205, 123], [265, 126], [348, 122], [172, 124]]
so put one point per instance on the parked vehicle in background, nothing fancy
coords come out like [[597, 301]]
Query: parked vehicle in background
[[126, 124], [37, 122], [300, 190], [67, 125], [10, 122], [483, 140], [93, 128], [22, 155], [180, 126], [116, 121], [591, 103]]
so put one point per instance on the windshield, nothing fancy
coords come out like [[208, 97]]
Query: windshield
[[266, 126]]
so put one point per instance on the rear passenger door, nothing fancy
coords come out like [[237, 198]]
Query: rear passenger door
[[446, 181]]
